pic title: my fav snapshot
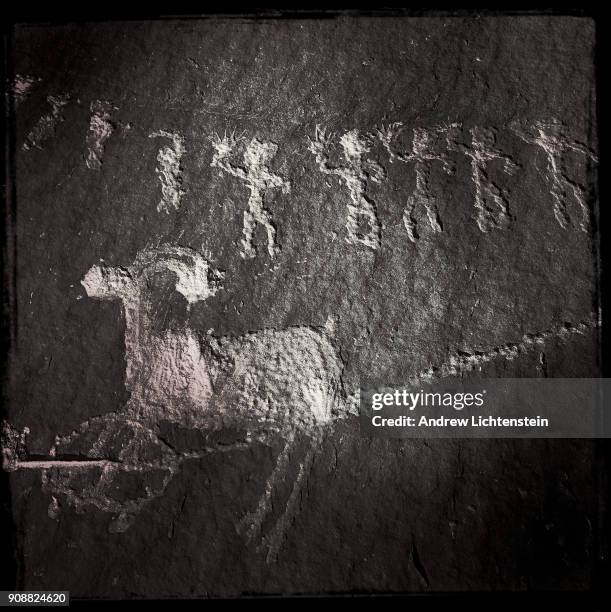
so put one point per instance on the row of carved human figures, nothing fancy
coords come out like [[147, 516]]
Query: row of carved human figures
[[355, 171]]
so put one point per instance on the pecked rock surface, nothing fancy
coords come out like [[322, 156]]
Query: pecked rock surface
[[223, 228]]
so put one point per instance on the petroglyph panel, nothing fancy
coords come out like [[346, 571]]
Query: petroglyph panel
[[223, 229]]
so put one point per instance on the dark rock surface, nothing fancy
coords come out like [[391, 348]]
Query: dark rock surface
[[100, 107]]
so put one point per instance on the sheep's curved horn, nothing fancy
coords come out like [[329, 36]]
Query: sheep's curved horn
[[195, 279]]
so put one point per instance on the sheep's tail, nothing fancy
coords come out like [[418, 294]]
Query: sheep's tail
[[346, 402], [353, 402]]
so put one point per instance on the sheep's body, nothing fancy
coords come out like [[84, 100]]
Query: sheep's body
[[171, 382], [283, 379], [264, 381]]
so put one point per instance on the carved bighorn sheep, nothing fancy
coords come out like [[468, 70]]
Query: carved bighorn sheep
[[265, 382], [284, 378]]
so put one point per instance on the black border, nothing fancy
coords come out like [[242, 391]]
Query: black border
[[52, 15]]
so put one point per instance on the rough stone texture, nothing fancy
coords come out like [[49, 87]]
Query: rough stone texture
[[208, 430]]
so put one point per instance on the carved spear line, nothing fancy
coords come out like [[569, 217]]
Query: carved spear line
[[45, 464], [466, 360]]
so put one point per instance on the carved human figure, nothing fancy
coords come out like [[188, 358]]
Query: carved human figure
[[428, 145], [169, 170], [47, 124], [490, 201], [552, 136], [101, 128], [259, 179], [362, 225]]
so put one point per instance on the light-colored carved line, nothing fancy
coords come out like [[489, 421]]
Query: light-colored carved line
[[468, 360], [273, 541], [47, 464], [251, 523]]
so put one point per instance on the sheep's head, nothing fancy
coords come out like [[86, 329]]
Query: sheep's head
[[195, 279]]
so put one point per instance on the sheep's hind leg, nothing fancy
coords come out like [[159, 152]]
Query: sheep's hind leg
[[251, 523], [273, 541]]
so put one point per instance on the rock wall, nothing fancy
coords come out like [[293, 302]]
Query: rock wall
[[224, 227]]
